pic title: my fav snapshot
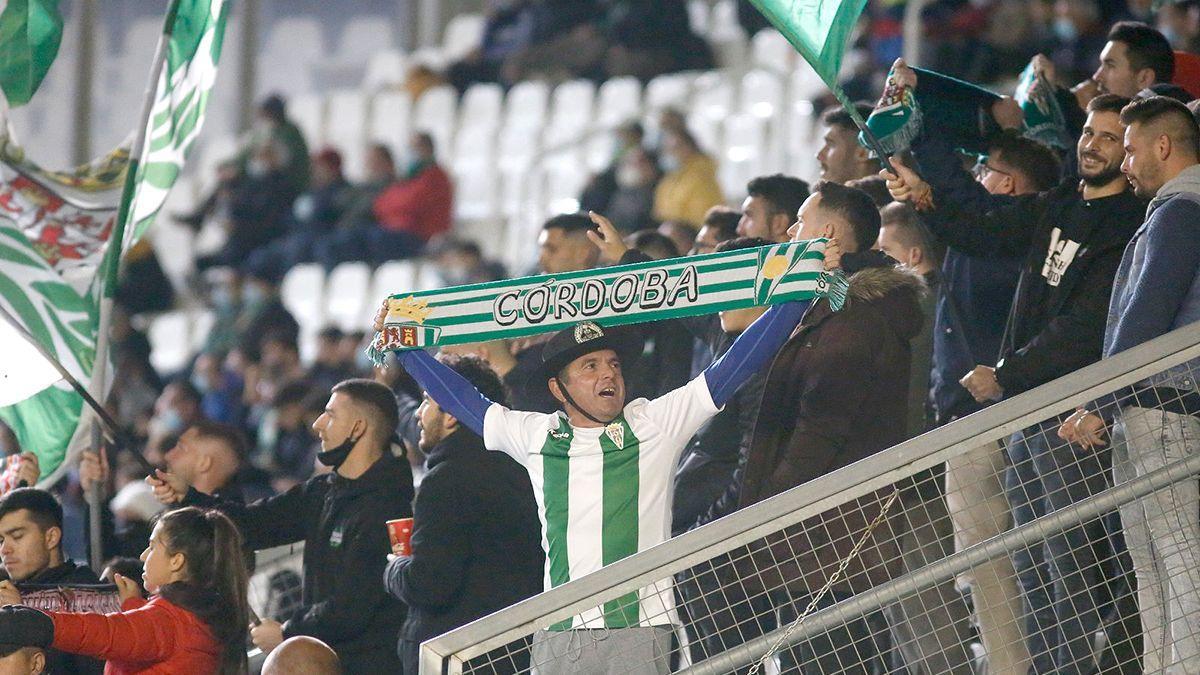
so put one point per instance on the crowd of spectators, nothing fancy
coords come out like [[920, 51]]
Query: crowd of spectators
[[965, 289]]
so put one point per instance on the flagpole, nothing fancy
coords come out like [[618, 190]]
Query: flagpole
[[868, 135], [111, 269], [114, 431]]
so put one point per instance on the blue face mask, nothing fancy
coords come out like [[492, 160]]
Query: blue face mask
[[171, 421], [253, 294], [1065, 30]]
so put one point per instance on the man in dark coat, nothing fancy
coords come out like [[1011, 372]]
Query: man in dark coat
[[341, 517], [839, 389], [31, 523], [476, 541], [1072, 238]]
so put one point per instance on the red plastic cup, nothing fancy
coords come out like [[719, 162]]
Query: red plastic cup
[[400, 532]]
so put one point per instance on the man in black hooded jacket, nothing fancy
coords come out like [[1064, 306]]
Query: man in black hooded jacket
[[341, 517], [476, 541]]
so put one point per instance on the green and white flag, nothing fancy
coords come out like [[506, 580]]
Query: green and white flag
[[30, 33], [818, 29], [610, 296], [197, 31], [54, 227], [64, 267]]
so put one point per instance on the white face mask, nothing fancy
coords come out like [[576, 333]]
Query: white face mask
[[629, 176], [670, 163]]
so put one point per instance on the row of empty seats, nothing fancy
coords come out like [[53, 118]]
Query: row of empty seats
[[347, 298]]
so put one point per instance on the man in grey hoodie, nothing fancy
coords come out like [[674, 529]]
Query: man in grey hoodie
[[1157, 289]]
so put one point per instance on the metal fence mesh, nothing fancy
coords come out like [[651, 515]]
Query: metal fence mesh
[[1022, 553]]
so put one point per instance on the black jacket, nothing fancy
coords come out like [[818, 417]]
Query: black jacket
[[476, 541], [342, 525], [1071, 248], [68, 574]]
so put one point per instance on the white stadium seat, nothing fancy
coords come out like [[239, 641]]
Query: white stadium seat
[[389, 120], [698, 16], [308, 112], [169, 342], [435, 113], [527, 103], [770, 50], [463, 33], [394, 276], [385, 70], [346, 292], [620, 100], [303, 292], [571, 109], [482, 105], [346, 130], [763, 96], [293, 45], [475, 191], [742, 156], [668, 91]]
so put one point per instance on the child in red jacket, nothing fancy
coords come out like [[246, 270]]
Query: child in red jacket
[[194, 624]]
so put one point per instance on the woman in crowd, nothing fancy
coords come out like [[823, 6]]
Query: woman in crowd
[[194, 622]]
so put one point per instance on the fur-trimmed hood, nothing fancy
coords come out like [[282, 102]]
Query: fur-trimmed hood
[[896, 289]]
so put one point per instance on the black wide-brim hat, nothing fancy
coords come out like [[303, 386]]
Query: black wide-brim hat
[[586, 337]]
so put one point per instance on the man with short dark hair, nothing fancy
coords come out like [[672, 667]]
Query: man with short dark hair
[[1136, 57], [207, 456], [1072, 238], [841, 157], [31, 522], [1016, 165], [770, 206], [19, 660], [476, 540], [1156, 290], [838, 390], [720, 224], [563, 244], [341, 516]]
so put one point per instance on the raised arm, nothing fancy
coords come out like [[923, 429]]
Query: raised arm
[[752, 350], [452, 392]]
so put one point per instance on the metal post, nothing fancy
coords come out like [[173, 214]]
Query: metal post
[[952, 565], [248, 65], [85, 70]]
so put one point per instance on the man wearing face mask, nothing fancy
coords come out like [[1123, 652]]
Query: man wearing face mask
[[341, 517]]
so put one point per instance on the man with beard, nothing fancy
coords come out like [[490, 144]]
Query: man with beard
[[1072, 238], [341, 517]]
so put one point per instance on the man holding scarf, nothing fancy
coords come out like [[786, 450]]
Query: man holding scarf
[[602, 469], [1072, 238]]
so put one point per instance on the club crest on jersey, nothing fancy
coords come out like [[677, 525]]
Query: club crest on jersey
[[586, 331], [616, 432]]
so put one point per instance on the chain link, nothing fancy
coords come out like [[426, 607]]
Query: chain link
[[833, 579]]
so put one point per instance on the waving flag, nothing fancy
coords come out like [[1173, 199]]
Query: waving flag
[[57, 237], [54, 227], [30, 32], [818, 29]]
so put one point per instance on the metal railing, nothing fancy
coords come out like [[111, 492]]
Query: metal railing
[[734, 545]]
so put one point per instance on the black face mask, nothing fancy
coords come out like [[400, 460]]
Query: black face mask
[[336, 456]]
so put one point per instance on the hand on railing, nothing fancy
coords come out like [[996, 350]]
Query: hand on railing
[[1084, 428]]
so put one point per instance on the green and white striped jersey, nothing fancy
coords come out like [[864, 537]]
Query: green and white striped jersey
[[604, 493]]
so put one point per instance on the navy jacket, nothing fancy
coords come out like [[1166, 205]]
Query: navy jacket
[[476, 541], [1071, 248]]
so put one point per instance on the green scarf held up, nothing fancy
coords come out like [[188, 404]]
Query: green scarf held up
[[1040, 110], [610, 296]]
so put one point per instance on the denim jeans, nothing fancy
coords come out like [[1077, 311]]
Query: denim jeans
[[1163, 536], [1059, 577]]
